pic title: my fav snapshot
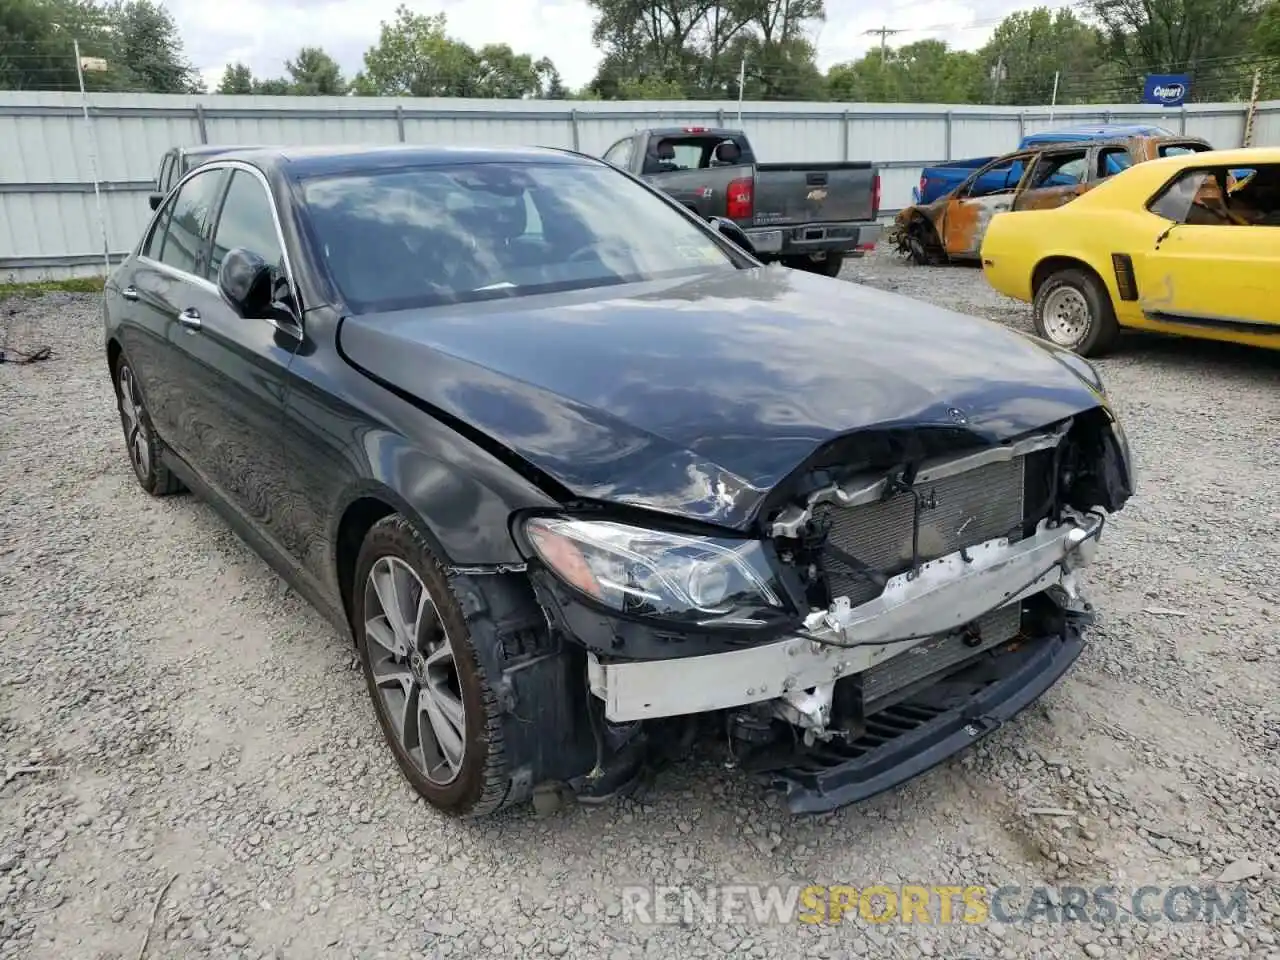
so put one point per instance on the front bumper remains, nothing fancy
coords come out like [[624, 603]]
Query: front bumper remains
[[919, 733], [941, 596]]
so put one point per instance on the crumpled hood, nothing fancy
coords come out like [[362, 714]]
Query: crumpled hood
[[694, 397]]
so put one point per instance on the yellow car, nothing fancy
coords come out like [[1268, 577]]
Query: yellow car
[[1187, 245]]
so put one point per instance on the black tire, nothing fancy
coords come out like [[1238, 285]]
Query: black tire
[[1076, 292], [142, 446], [921, 244], [828, 266], [480, 784]]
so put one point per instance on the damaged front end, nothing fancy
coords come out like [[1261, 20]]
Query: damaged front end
[[906, 593]]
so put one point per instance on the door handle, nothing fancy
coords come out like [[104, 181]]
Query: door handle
[[190, 318], [130, 292]]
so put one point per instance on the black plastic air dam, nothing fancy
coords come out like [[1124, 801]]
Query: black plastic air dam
[[1024, 674]]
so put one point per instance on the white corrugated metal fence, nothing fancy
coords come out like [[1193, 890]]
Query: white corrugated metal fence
[[49, 225]]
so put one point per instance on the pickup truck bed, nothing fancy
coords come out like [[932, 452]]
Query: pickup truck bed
[[807, 215]]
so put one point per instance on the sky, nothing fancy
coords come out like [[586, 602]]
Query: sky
[[264, 33]]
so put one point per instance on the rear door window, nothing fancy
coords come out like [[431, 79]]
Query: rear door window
[[165, 178], [182, 246]]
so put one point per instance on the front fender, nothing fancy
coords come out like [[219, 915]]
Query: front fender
[[463, 515]]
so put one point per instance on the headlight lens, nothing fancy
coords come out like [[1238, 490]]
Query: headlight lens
[[707, 580]]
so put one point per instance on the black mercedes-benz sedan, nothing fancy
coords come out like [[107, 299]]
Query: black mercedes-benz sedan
[[586, 483]]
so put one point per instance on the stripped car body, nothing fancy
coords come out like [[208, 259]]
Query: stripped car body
[[837, 529], [1183, 245], [952, 227]]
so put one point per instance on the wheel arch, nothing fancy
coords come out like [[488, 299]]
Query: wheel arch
[[114, 352], [1054, 263], [364, 506]]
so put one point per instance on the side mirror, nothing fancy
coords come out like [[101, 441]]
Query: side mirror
[[245, 280], [733, 232], [155, 199]]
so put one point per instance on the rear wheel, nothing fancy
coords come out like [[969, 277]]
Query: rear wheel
[[828, 265], [433, 701], [140, 436], [1073, 310]]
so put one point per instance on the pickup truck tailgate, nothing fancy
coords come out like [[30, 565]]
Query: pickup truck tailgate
[[796, 193]]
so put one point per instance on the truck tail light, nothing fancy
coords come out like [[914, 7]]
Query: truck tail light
[[741, 199], [695, 129], [875, 197], [924, 185]]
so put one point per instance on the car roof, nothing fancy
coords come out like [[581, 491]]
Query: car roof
[[313, 161], [206, 149], [1234, 157], [1106, 130]]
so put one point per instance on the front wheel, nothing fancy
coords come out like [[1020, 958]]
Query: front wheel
[[433, 701], [1073, 310]]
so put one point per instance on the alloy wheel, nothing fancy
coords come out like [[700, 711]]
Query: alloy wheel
[[137, 435], [412, 662]]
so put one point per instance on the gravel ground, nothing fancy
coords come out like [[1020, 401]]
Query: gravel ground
[[169, 711]]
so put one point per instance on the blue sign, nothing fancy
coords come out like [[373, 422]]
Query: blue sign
[[1166, 89]]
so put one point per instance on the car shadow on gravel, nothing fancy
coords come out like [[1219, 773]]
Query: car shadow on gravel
[[1198, 356]]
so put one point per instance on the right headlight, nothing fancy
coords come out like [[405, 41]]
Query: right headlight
[[652, 573]]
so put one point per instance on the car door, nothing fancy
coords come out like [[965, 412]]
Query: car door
[[1205, 269], [1054, 180], [232, 368], [153, 289], [989, 190]]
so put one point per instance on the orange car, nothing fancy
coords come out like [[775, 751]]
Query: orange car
[[952, 227]]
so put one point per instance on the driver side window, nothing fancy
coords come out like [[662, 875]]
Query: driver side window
[[999, 177], [1189, 199], [246, 221]]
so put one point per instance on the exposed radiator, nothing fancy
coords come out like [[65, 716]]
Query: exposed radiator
[[937, 654], [969, 508]]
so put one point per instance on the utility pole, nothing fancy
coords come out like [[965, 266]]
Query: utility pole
[[883, 32], [1247, 139]]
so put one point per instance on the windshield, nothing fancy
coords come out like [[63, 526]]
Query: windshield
[[451, 234]]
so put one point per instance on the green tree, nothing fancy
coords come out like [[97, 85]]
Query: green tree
[[314, 73], [147, 44], [274, 87], [37, 50], [414, 57], [1203, 38], [699, 47], [924, 72], [503, 74], [1029, 47], [236, 79]]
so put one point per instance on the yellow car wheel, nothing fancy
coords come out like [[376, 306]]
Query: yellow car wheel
[[1072, 309]]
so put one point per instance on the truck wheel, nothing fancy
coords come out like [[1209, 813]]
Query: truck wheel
[[438, 712], [828, 266], [1073, 310]]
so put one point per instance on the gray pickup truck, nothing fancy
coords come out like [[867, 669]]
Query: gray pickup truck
[[810, 216]]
